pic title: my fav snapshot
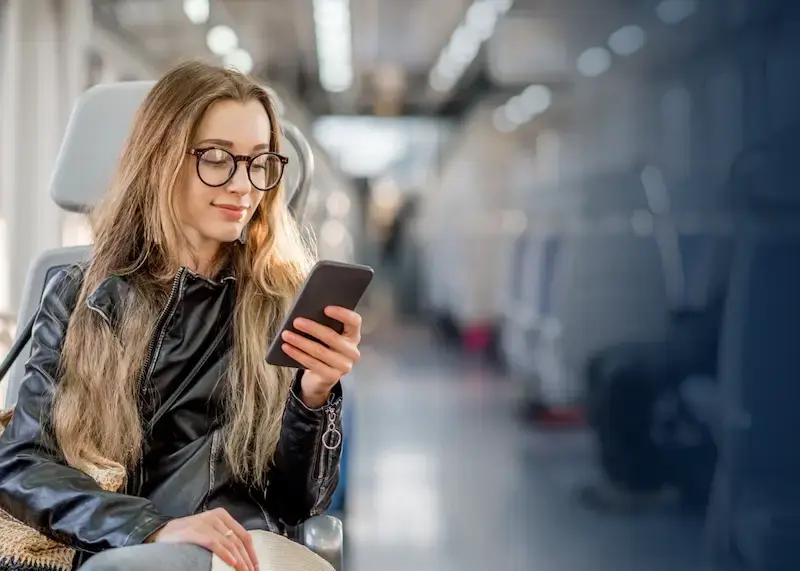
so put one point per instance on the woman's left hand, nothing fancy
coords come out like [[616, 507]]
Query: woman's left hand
[[324, 365]]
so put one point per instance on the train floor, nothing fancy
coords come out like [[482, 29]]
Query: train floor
[[446, 477]]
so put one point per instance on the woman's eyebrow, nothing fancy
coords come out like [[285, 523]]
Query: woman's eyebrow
[[220, 142], [229, 144]]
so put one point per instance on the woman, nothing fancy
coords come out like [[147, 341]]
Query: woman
[[153, 354]]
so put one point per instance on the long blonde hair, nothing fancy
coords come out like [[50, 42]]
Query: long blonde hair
[[137, 235]]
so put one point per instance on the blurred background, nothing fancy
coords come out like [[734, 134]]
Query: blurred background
[[580, 344]]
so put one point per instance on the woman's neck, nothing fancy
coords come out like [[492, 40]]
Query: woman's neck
[[204, 262]]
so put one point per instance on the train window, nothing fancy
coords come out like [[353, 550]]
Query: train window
[[726, 112], [676, 117]]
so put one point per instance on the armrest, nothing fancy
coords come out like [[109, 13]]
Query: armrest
[[323, 535]]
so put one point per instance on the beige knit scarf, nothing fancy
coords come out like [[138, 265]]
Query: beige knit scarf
[[22, 548]]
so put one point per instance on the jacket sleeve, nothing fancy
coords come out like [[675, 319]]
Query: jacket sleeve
[[305, 471], [37, 487]]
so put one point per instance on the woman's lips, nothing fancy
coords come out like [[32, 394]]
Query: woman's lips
[[231, 212]]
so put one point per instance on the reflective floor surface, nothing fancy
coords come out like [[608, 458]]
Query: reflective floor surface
[[445, 477]]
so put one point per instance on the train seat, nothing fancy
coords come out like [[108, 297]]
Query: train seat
[[609, 286], [95, 135], [755, 508], [529, 289]]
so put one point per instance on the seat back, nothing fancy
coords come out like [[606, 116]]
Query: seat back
[[533, 270], [550, 251], [95, 137], [758, 365], [610, 284]]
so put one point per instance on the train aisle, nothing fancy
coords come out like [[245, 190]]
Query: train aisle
[[445, 478]]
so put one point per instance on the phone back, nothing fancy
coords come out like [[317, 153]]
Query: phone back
[[329, 283]]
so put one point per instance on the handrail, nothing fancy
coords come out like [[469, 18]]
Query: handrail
[[299, 198]]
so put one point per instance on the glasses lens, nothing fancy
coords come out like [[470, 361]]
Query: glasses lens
[[265, 171], [214, 167]]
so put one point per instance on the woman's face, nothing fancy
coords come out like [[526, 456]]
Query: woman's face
[[212, 215]]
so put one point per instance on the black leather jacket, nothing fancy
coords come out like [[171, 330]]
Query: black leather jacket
[[183, 470]]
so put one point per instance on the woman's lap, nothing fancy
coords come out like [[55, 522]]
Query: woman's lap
[[154, 556]]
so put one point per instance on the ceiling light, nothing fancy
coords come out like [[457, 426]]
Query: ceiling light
[[222, 40], [465, 44], [536, 99], [502, 6], [675, 11], [501, 122], [196, 10], [240, 59], [627, 40], [332, 29], [482, 18], [437, 81], [594, 62], [516, 112]]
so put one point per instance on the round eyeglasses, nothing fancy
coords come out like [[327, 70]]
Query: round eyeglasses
[[216, 167]]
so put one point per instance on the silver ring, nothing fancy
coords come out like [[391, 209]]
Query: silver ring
[[228, 533]]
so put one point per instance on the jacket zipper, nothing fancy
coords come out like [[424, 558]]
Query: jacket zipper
[[330, 437], [158, 336], [150, 360]]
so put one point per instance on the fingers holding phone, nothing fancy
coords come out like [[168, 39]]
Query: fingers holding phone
[[327, 357]]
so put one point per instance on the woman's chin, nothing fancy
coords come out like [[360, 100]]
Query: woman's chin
[[224, 236]]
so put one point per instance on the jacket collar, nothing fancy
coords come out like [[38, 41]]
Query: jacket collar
[[108, 297]]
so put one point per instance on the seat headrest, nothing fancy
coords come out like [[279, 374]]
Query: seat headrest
[[95, 136], [96, 133], [766, 177]]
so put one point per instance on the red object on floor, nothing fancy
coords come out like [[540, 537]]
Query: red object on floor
[[477, 338], [560, 417]]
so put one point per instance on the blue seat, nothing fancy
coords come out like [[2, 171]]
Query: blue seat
[[607, 287], [755, 508], [670, 442], [534, 266]]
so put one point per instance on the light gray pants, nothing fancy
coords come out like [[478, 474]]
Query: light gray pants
[[153, 557]]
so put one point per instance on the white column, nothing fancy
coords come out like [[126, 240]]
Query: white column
[[76, 16], [109, 73], [31, 132]]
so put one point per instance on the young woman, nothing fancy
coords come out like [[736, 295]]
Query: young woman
[[153, 354]]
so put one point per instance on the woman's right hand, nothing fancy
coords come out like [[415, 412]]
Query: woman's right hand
[[215, 530]]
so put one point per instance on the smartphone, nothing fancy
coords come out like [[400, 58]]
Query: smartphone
[[328, 283]]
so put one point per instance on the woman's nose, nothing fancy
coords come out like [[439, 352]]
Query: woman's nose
[[240, 182]]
